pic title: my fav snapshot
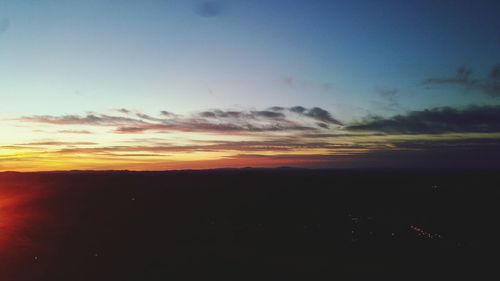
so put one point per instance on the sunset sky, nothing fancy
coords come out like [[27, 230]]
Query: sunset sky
[[188, 84]]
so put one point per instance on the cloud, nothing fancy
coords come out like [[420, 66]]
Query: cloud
[[240, 114], [436, 120], [56, 143], [89, 119], [324, 135], [298, 109], [148, 117], [84, 132], [167, 113], [277, 108], [390, 97], [321, 115], [221, 114], [209, 9], [269, 114], [301, 141], [199, 125], [273, 119], [316, 113], [463, 78], [282, 145], [124, 111]]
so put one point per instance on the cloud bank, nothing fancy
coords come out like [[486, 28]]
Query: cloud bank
[[436, 120], [275, 136], [274, 119]]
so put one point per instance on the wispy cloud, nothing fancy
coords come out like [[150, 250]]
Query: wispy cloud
[[314, 122], [89, 119], [489, 85], [390, 99], [273, 119], [56, 143], [279, 145], [124, 111], [83, 132]]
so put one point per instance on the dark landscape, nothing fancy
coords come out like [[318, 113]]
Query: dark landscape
[[250, 224]]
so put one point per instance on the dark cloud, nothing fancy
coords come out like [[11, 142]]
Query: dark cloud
[[463, 78], [274, 113], [204, 126], [436, 120], [280, 119], [148, 117], [277, 108], [167, 113], [124, 110], [464, 144], [323, 125], [266, 114], [316, 113], [325, 135], [4, 25], [221, 114], [298, 109], [209, 8], [138, 129], [85, 132], [321, 115], [269, 114], [208, 114], [89, 119]]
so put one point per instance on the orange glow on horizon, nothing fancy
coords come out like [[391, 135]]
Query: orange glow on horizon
[[175, 161]]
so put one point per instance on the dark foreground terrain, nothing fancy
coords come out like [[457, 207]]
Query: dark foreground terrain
[[250, 224]]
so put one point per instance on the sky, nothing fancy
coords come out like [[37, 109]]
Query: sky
[[195, 84]]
